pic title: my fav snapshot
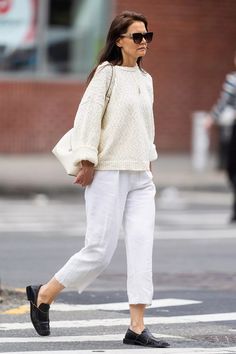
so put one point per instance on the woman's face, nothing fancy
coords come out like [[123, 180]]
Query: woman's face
[[131, 50]]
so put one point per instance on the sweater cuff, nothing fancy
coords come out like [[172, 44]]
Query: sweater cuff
[[85, 153], [214, 114], [153, 153]]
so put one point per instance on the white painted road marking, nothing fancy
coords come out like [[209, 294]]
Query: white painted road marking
[[195, 234], [97, 338], [119, 306], [110, 322], [167, 234], [118, 337], [225, 350]]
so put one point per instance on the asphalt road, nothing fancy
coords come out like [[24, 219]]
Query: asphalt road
[[194, 277]]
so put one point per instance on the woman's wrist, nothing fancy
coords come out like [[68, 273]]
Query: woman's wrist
[[86, 163]]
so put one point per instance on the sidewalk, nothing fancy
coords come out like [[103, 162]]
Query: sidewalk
[[25, 174]]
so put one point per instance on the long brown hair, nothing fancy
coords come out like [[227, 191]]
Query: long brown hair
[[111, 52]]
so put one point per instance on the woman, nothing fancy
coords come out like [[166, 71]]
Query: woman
[[114, 151], [228, 131]]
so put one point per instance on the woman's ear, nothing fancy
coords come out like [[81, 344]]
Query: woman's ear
[[118, 43]]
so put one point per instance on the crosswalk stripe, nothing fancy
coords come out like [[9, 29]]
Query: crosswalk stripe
[[196, 234], [217, 317], [40, 227], [225, 350], [95, 338], [167, 234], [117, 306]]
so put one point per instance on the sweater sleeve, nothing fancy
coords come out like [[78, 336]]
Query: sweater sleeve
[[227, 96], [153, 152], [87, 123]]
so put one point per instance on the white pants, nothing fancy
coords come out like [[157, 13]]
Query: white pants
[[113, 198]]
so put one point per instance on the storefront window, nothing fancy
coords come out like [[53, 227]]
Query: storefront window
[[58, 37]]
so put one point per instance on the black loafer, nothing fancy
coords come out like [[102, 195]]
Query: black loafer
[[39, 315], [145, 339]]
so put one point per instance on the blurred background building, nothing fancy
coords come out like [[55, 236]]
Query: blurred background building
[[48, 47]]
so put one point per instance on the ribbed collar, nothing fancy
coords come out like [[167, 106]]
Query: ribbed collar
[[128, 68]]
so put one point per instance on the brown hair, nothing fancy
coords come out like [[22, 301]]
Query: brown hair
[[111, 52]]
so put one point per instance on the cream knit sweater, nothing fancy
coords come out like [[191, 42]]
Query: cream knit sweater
[[123, 138]]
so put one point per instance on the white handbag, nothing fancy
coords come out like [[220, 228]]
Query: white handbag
[[63, 149], [64, 153]]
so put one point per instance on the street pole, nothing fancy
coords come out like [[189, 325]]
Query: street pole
[[41, 44]]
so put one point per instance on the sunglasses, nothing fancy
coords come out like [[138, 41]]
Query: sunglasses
[[138, 37]]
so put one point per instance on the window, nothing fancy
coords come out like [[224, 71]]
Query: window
[[57, 37]]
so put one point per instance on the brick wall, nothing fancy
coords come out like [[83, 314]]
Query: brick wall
[[33, 115], [192, 51]]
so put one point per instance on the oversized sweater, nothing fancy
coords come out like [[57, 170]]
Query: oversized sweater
[[123, 137]]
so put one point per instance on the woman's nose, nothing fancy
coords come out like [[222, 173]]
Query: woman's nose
[[144, 40]]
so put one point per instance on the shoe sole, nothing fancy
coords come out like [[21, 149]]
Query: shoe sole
[[29, 293], [132, 342]]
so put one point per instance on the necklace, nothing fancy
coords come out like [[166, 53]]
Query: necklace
[[137, 84]]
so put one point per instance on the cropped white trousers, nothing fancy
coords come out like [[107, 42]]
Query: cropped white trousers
[[115, 198]]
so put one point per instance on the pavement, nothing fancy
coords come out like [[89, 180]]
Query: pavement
[[42, 173], [194, 268]]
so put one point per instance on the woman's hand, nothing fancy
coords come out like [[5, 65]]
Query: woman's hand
[[86, 174], [208, 122]]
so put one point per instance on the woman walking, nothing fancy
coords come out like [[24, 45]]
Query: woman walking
[[114, 147], [227, 101]]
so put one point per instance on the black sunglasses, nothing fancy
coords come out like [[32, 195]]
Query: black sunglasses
[[138, 37]]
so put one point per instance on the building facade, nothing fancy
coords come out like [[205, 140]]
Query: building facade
[[43, 66]]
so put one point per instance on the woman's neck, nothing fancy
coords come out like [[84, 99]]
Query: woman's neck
[[130, 62]]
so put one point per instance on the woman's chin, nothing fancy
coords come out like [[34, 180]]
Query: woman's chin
[[141, 53]]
